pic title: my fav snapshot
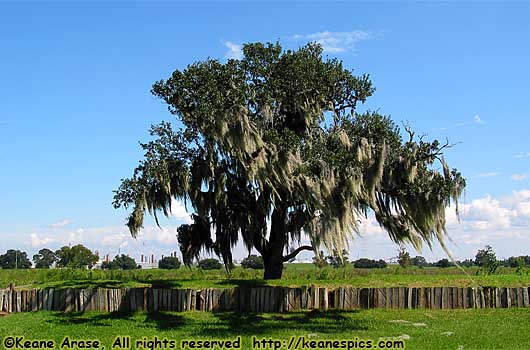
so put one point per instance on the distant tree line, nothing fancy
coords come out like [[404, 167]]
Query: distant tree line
[[78, 256]]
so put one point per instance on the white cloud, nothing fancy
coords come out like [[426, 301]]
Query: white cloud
[[234, 50], [37, 242], [519, 177], [336, 42], [75, 237], [116, 240], [477, 119], [488, 174], [522, 155], [61, 223], [161, 235], [486, 213], [178, 211]]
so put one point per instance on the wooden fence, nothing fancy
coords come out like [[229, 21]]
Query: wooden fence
[[260, 299]]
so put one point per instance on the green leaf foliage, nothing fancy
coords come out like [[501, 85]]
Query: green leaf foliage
[[77, 256], [169, 263], [14, 259]]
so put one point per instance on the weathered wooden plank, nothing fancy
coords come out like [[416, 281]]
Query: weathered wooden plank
[[526, 301], [167, 299], [181, 300], [223, 300], [486, 297], [173, 300], [194, 299], [520, 297], [186, 300], [210, 299], [437, 304], [471, 296], [48, 302], [347, 298], [284, 299], [22, 304], [68, 300], [409, 302], [401, 297], [380, 298], [25, 301], [267, 299], [277, 299], [9, 301], [263, 298], [364, 298], [35, 300]]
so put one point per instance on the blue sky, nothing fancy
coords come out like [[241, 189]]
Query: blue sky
[[75, 80]]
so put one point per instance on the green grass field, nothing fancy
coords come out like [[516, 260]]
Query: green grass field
[[420, 329], [294, 275]]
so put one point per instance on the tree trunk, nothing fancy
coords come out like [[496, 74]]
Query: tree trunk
[[273, 253], [273, 268]]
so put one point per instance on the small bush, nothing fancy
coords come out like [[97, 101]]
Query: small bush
[[120, 262], [487, 260], [369, 264], [169, 263], [210, 264], [404, 258], [252, 262]]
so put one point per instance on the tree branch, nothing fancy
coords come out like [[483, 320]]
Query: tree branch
[[295, 252]]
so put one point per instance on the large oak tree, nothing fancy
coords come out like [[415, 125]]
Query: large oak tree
[[271, 147]]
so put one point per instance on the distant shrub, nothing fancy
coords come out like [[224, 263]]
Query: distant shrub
[[443, 263], [319, 260], [338, 259], [109, 265], [210, 264], [466, 263], [120, 262], [252, 262], [419, 261], [516, 261], [169, 263], [404, 258], [369, 264], [487, 260]]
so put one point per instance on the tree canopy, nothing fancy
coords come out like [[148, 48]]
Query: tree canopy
[[77, 256], [14, 259], [169, 263], [271, 147], [44, 259], [120, 262]]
